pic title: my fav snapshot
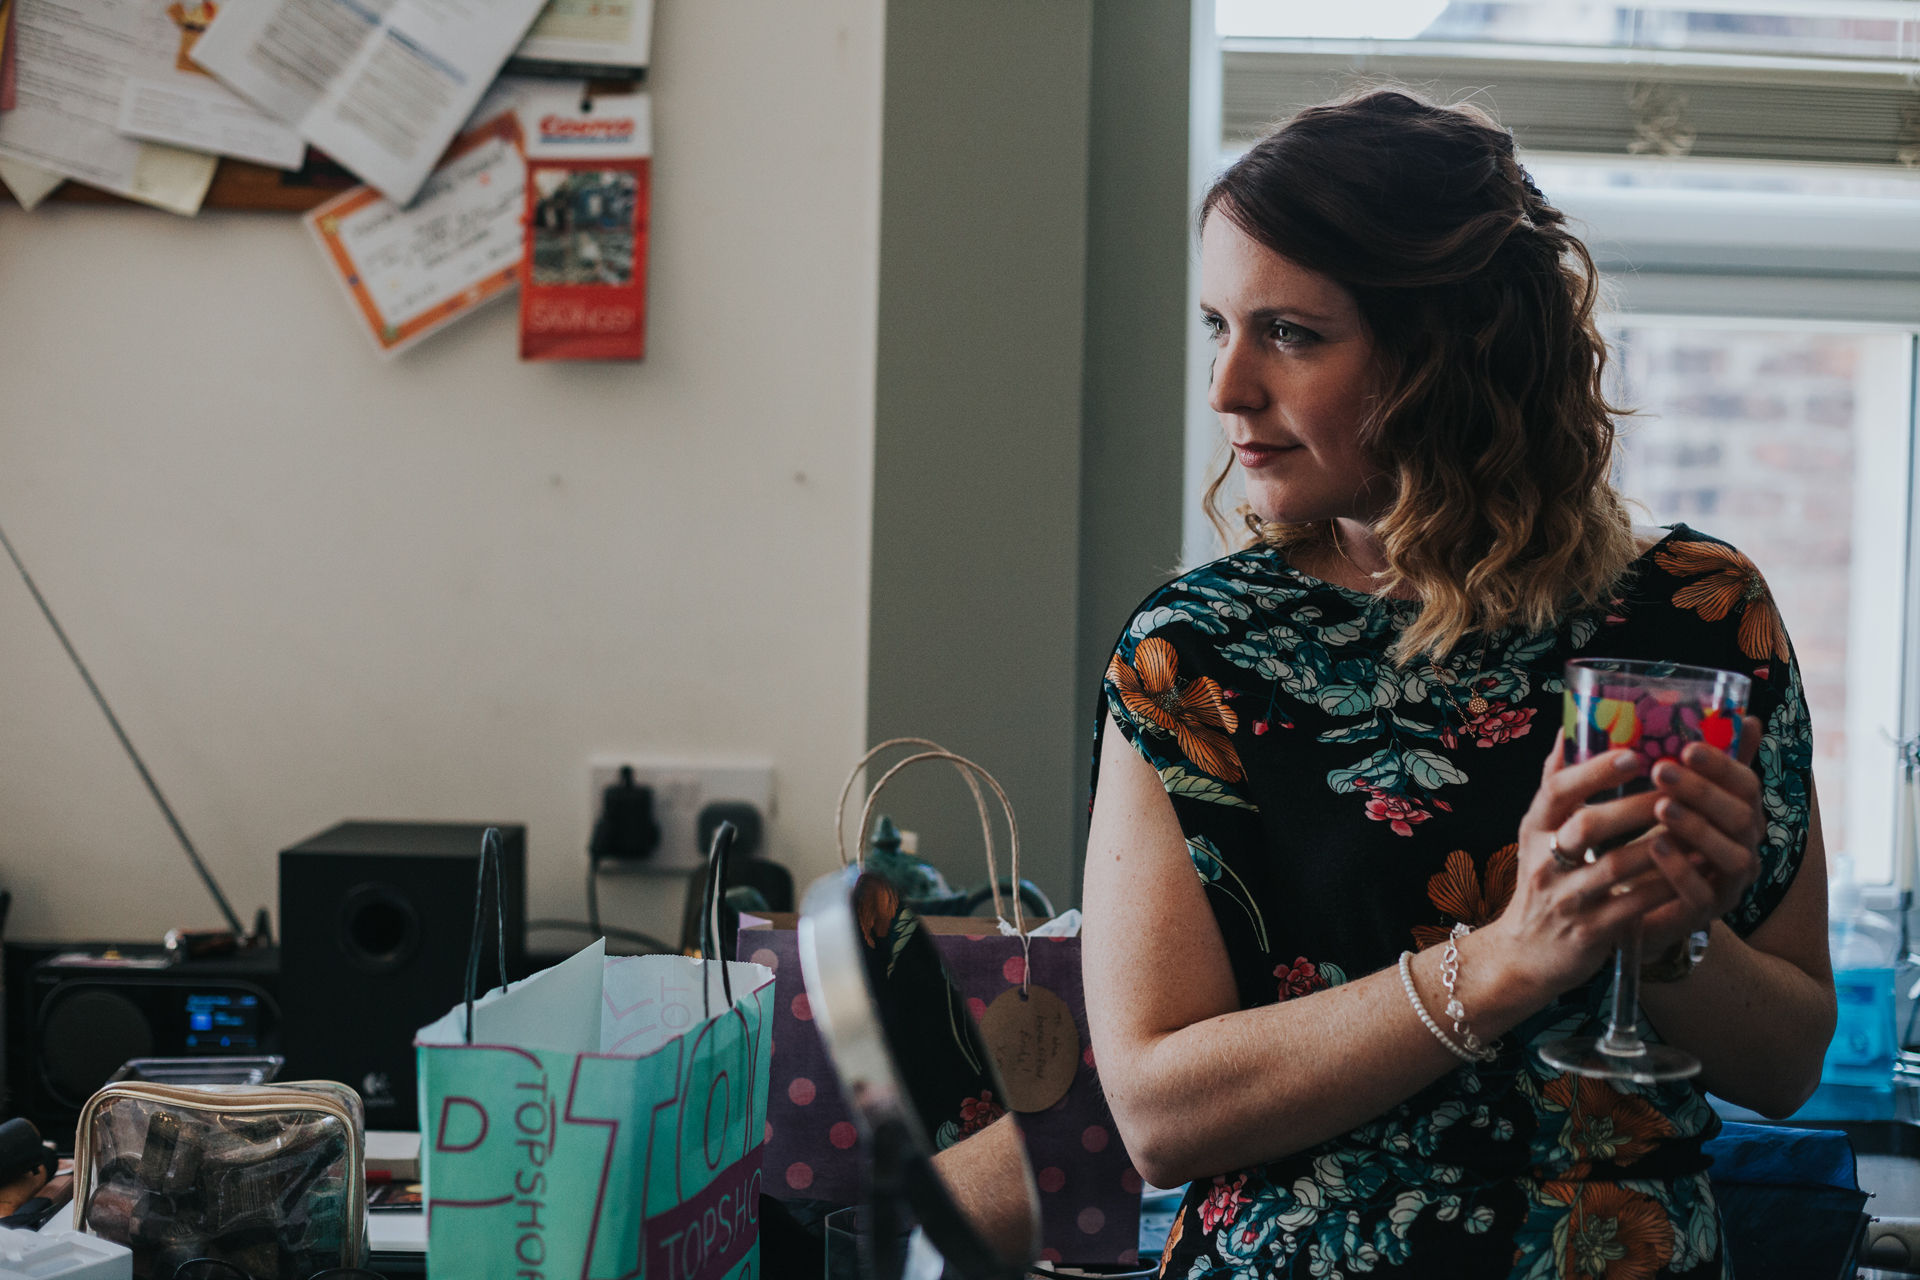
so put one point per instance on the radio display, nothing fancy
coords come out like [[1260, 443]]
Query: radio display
[[223, 1022]]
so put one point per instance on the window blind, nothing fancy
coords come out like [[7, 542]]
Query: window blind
[[1599, 101]]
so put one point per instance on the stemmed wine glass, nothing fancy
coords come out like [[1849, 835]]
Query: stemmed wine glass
[[1655, 708]]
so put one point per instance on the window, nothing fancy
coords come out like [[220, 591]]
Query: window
[[1763, 300], [1791, 442]]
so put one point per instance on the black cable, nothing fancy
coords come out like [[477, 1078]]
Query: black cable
[[625, 935], [712, 932], [489, 861], [180, 832]]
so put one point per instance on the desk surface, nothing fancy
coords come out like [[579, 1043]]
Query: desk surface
[[1878, 1122], [396, 1231]]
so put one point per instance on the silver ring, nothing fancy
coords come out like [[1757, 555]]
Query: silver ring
[[1560, 859]]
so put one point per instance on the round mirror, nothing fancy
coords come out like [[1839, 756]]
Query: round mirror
[[919, 1081]]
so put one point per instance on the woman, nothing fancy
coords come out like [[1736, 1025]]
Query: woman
[[1349, 731]]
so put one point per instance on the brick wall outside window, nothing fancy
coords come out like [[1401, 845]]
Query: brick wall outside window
[[1749, 436]]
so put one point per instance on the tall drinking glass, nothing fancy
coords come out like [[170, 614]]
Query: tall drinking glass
[[1655, 708]]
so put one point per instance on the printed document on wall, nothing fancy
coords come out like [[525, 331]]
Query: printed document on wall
[[186, 107], [30, 184], [614, 35], [382, 86], [75, 59], [207, 116], [409, 272]]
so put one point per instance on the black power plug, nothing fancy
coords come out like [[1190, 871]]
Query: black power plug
[[773, 882], [746, 825], [626, 829]]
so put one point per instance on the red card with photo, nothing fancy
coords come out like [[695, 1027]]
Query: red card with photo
[[583, 278]]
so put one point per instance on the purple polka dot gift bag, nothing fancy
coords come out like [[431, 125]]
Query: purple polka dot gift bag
[[1089, 1191]]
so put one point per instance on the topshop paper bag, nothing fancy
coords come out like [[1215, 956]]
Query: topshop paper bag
[[606, 1120]]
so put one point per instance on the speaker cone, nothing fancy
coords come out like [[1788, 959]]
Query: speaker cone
[[86, 1034], [379, 930]]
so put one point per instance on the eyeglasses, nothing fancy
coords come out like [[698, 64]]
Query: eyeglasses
[[220, 1269]]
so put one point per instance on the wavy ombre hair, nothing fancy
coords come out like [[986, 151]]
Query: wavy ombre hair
[[1487, 410]]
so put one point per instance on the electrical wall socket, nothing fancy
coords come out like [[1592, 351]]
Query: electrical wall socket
[[680, 791]]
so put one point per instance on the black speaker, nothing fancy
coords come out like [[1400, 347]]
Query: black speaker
[[375, 921], [77, 1011]]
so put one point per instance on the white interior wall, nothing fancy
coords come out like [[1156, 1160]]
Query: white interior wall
[[317, 586]]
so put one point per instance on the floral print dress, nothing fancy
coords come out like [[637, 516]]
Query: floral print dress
[[1339, 810]]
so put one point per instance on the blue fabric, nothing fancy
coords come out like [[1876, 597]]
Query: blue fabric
[[1772, 1156], [1790, 1200]]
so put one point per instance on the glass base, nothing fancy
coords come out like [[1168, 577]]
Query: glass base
[[1583, 1056]]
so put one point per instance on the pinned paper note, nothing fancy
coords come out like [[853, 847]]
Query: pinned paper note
[[74, 63], [200, 113], [382, 88], [412, 271], [603, 35], [171, 178], [29, 184]]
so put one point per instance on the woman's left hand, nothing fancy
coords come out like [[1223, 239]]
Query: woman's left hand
[[1710, 806]]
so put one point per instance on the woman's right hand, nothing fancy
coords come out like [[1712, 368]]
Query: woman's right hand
[[1563, 923]]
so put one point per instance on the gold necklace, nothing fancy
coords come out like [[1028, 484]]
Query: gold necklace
[[1477, 703]]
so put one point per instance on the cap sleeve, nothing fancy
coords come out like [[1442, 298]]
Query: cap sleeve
[[1785, 766], [1176, 716]]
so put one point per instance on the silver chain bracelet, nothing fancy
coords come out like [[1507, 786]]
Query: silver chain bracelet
[[1449, 977]]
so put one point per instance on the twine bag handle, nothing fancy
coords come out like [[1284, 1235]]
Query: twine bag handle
[[973, 785], [971, 770]]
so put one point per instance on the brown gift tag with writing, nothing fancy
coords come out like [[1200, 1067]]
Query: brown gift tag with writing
[[1034, 1043]]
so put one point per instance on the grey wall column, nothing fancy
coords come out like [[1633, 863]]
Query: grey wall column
[[1030, 389], [1139, 233], [977, 415]]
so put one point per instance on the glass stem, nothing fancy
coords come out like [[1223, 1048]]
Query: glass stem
[[1623, 1027]]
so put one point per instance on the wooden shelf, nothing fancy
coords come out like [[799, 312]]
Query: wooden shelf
[[237, 184]]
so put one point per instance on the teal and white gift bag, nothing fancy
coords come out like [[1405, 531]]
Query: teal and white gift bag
[[602, 1119], [605, 1122]]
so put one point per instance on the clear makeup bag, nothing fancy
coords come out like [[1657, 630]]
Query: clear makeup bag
[[267, 1178]]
